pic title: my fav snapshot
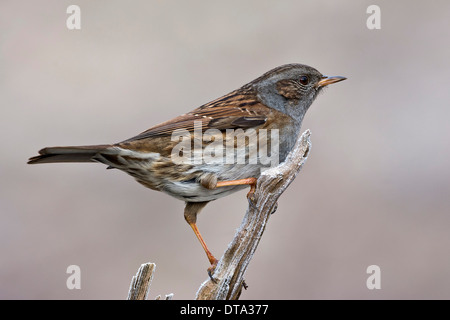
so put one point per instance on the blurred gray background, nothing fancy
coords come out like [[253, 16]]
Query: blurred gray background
[[375, 189]]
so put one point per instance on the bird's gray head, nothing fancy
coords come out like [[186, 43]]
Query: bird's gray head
[[291, 88]]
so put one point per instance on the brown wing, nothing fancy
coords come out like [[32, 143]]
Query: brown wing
[[229, 112]]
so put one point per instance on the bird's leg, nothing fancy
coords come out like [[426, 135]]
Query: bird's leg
[[190, 214], [248, 181]]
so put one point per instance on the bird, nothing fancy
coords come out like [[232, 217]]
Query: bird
[[185, 157]]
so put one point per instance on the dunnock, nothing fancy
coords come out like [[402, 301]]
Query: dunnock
[[276, 102]]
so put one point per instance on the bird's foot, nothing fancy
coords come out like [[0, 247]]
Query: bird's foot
[[251, 196], [211, 270]]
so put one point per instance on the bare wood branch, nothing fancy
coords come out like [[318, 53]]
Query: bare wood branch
[[229, 273], [167, 297], [140, 283]]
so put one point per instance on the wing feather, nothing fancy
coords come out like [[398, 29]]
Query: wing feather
[[228, 112]]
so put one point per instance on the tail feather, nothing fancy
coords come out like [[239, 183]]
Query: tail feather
[[68, 154]]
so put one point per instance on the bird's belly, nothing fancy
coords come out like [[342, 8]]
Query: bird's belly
[[184, 181], [193, 191]]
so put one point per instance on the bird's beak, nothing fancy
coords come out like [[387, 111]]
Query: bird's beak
[[329, 80]]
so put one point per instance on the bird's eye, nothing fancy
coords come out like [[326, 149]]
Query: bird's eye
[[304, 80]]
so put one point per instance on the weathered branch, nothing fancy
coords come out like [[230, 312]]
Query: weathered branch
[[229, 273], [140, 283]]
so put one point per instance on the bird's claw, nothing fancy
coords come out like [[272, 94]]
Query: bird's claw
[[211, 270], [251, 201]]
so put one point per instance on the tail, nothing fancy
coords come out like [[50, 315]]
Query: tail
[[68, 154]]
